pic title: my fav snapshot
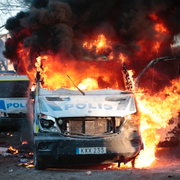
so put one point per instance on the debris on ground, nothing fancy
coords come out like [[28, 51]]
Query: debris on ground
[[24, 155], [10, 170], [88, 173], [27, 164]]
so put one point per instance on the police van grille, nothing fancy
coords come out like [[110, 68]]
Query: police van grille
[[88, 126]]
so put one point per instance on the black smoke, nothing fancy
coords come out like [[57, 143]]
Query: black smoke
[[61, 26]]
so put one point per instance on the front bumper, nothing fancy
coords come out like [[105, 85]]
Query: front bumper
[[56, 150], [7, 123]]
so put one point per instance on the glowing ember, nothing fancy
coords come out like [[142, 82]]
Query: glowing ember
[[31, 153], [27, 164], [13, 150], [24, 142]]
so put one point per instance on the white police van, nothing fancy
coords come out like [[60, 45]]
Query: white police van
[[72, 127], [13, 98]]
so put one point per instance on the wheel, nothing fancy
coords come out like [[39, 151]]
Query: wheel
[[38, 165]]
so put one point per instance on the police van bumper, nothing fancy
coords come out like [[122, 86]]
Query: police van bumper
[[54, 151], [8, 123]]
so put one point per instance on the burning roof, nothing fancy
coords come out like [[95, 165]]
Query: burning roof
[[65, 32]]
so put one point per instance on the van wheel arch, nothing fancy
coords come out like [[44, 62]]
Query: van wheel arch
[[38, 165]]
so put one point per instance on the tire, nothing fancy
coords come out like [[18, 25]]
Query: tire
[[38, 165]]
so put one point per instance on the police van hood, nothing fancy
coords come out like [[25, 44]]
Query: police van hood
[[71, 103]]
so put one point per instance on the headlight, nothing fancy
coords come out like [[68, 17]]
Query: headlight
[[47, 123]]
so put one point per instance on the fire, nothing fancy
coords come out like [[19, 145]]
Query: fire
[[154, 113], [86, 74], [88, 84], [33, 87], [41, 44], [153, 16], [13, 150], [99, 44], [54, 73], [156, 46], [122, 57], [27, 164], [24, 142], [161, 28], [131, 73]]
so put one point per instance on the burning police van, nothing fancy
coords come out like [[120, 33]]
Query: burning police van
[[74, 127]]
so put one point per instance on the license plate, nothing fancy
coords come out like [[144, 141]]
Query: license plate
[[92, 150]]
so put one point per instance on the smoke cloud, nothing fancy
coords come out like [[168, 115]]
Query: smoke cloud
[[61, 26]]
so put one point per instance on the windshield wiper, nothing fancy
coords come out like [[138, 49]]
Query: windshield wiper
[[131, 92], [76, 86]]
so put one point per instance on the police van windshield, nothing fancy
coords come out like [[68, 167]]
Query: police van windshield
[[94, 75], [12, 88]]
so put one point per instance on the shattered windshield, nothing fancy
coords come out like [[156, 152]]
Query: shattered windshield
[[86, 75]]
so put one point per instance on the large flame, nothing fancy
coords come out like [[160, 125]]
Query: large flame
[[88, 84], [100, 44], [54, 73], [154, 111]]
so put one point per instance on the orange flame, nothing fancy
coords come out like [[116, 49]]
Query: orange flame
[[88, 84], [122, 57], [24, 142], [153, 16], [13, 150], [99, 44], [153, 112], [131, 73], [161, 28], [54, 73]]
